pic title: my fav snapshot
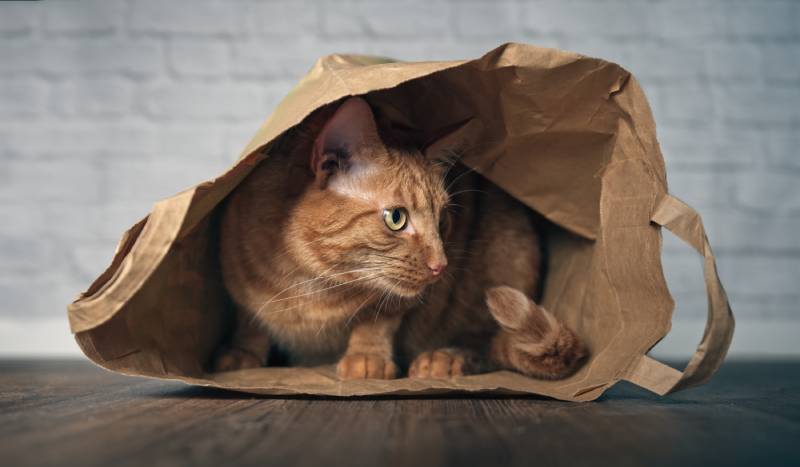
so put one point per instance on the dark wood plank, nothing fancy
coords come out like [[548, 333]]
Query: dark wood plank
[[72, 413]]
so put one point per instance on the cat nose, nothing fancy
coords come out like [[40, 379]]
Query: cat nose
[[437, 267]]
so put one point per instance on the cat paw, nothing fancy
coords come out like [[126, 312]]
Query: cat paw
[[235, 359], [365, 365], [442, 363]]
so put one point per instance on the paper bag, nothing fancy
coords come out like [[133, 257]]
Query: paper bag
[[570, 136]]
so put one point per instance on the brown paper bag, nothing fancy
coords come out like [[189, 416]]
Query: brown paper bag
[[570, 136]]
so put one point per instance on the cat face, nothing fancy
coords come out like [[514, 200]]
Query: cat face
[[373, 217]]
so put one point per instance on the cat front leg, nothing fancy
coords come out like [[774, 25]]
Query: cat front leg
[[248, 348], [369, 351], [443, 363]]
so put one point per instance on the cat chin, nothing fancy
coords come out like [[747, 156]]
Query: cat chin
[[404, 290], [408, 293]]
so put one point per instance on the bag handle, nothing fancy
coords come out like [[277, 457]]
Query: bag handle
[[683, 221]]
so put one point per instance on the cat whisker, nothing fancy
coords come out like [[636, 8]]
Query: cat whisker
[[452, 182], [287, 250], [450, 250], [419, 299], [358, 308], [395, 258], [470, 190], [274, 298], [388, 293], [385, 299], [352, 315], [267, 302], [349, 283], [331, 287]]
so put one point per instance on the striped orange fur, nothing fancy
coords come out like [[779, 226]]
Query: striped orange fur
[[313, 268]]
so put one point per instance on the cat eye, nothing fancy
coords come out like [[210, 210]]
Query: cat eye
[[395, 218]]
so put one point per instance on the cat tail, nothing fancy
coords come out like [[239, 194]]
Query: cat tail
[[531, 340]]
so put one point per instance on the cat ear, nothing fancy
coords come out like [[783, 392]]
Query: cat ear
[[351, 129]]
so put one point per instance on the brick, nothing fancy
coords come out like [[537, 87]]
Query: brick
[[274, 93], [748, 308], [768, 192], [753, 104], [783, 148], [653, 92], [84, 17], [25, 255], [734, 62], [702, 189], [195, 17], [390, 19], [19, 56], [66, 221], [774, 19], [687, 103], [606, 49], [21, 98], [311, 51], [741, 231], [153, 97], [252, 59], [199, 58], [284, 18], [132, 57], [686, 20], [410, 49], [78, 181], [667, 62], [482, 19], [340, 19], [782, 63], [117, 217], [759, 274], [683, 271], [21, 219], [764, 307], [89, 259], [18, 18], [77, 140], [59, 222], [551, 42], [203, 101], [29, 298], [50, 338], [189, 143], [94, 97], [691, 147], [587, 18], [734, 231], [236, 139], [142, 183]]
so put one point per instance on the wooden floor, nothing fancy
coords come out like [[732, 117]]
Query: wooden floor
[[71, 413]]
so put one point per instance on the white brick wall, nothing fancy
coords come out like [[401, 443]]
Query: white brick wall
[[150, 97]]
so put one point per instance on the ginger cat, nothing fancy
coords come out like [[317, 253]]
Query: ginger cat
[[346, 249]]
